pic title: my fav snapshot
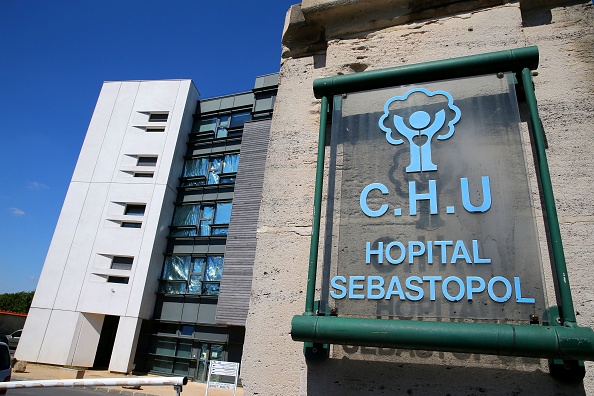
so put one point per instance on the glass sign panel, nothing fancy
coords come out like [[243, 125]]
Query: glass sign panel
[[434, 208]]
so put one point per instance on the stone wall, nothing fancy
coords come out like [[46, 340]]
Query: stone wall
[[273, 364]]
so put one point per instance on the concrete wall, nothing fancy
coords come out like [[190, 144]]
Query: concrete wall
[[74, 291], [11, 322], [319, 46]]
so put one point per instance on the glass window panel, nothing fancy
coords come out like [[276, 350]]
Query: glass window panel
[[184, 349], [186, 215], [222, 132], [186, 330], [210, 289], [231, 163], [173, 287], [192, 183], [201, 375], [161, 365], [197, 265], [146, 161], [214, 268], [206, 220], [204, 351], [220, 231], [195, 286], [181, 368], [223, 213], [214, 169], [224, 180], [164, 347], [223, 125], [195, 167], [167, 328], [224, 121], [158, 117], [207, 125], [183, 232], [238, 119], [216, 352], [176, 268]]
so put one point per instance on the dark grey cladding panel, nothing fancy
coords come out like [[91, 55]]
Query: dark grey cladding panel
[[236, 283]]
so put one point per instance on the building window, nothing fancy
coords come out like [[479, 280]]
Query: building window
[[148, 175], [222, 124], [135, 209], [213, 170], [192, 275], [202, 220], [122, 262], [146, 161], [158, 117], [118, 279], [131, 224], [155, 129]]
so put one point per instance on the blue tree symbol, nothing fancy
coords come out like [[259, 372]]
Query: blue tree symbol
[[419, 124]]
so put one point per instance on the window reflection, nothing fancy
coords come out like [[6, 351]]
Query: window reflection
[[192, 275]]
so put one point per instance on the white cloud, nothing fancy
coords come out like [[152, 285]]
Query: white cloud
[[17, 211], [37, 186]]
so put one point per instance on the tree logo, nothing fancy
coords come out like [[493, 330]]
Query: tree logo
[[420, 127]]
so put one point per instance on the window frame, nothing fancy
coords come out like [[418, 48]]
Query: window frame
[[133, 209]]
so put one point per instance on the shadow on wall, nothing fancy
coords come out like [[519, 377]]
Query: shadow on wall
[[346, 376]]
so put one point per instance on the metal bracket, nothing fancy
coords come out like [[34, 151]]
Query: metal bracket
[[564, 370], [316, 352]]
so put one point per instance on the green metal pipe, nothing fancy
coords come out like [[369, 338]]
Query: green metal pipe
[[315, 232], [554, 342], [566, 301], [501, 61]]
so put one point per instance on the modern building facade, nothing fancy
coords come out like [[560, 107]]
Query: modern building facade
[[142, 266]]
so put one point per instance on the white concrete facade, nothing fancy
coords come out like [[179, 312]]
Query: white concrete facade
[[78, 285]]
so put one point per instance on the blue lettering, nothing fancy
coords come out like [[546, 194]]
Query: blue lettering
[[363, 200], [353, 287], [460, 252], [472, 289], [340, 288], [508, 291], [475, 254], [394, 288], [379, 252], [413, 197], [444, 288], [486, 205], [389, 257], [379, 287], [432, 280], [411, 251], [519, 298], [418, 289]]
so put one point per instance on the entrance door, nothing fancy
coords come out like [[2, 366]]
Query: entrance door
[[106, 341]]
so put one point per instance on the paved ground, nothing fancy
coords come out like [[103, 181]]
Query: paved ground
[[43, 372]]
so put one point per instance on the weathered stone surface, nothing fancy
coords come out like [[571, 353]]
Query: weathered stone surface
[[565, 36]]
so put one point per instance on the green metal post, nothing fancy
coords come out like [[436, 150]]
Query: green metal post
[[492, 62], [315, 232], [567, 309], [558, 342]]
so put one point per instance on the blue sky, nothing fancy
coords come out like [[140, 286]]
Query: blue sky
[[55, 57]]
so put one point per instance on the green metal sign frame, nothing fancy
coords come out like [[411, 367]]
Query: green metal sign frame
[[561, 340]]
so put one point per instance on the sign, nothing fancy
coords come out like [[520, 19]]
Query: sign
[[219, 368], [432, 204]]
